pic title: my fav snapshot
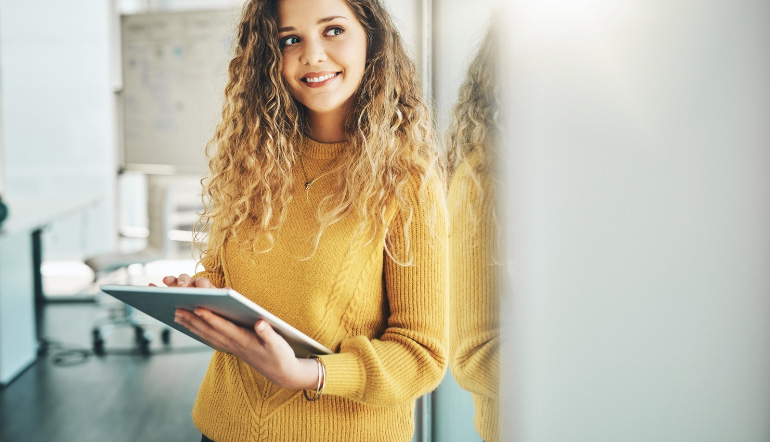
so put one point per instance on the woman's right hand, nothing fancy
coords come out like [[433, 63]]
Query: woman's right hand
[[185, 280]]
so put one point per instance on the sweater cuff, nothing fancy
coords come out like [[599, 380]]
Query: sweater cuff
[[344, 375]]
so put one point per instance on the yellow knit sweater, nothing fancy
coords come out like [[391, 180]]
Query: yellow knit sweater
[[474, 294], [387, 323]]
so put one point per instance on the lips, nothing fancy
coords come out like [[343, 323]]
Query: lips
[[318, 79]]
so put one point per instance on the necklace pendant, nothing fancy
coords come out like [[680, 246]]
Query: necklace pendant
[[307, 184]]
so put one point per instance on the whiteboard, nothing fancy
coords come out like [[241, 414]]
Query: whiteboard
[[174, 74]]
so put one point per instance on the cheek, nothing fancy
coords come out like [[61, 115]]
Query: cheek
[[361, 56], [288, 82], [285, 72], [357, 57]]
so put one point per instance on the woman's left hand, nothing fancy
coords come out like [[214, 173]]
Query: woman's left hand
[[262, 348]]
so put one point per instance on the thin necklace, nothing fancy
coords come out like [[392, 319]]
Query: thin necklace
[[308, 181]]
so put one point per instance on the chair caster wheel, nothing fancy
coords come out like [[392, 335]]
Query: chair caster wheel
[[165, 336], [142, 340], [139, 334], [99, 348], [97, 343], [144, 347]]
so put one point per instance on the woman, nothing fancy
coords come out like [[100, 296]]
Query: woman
[[325, 206]]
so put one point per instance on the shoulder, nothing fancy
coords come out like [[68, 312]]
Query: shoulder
[[425, 188], [465, 176], [467, 168], [471, 191], [419, 205]]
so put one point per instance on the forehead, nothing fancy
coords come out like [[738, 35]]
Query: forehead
[[300, 13]]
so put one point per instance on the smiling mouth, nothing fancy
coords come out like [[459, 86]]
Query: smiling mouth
[[321, 78]]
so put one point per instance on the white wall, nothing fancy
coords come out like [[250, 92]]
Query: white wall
[[639, 183], [57, 114]]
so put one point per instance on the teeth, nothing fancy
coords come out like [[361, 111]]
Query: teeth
[[319, 79]]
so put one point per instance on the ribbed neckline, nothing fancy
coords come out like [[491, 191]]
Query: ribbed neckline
[[322, 151]]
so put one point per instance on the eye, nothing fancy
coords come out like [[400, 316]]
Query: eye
[[334, 31], [288, 41]]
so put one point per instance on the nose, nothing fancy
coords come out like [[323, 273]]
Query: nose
[[313, 52]]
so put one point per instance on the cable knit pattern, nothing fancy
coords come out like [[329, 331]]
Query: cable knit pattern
[[474, 294], [387, 322]]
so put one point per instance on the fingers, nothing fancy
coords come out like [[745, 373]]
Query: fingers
[[200, 327], [170, 281], [192, 322], [263, 328], [215, 329], [265, 332], [202, 282], [219, 323], [185, 280]]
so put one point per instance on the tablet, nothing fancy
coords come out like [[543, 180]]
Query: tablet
[[161, 303]]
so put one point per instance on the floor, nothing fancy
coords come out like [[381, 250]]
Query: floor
[[69, 394]]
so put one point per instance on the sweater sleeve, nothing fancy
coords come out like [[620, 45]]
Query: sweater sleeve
[[409, 359], [212, 269], [474, 289]]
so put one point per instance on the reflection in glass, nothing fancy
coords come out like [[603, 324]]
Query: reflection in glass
[[474, 269]]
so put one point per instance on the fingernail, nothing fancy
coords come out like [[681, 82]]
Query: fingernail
[[178, 319]]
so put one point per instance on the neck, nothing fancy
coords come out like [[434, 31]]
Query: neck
[[327, 127]]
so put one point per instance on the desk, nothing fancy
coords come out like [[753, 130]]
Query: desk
[[20, 278]]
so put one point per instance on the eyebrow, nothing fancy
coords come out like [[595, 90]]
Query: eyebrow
[[320, 22]]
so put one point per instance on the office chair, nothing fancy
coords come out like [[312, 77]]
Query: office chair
[[158, 245]]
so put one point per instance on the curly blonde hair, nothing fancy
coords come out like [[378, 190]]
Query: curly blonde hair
[[474, 130], [255, 146], [474, 125]]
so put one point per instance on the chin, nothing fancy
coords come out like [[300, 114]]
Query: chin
[[323, 108]]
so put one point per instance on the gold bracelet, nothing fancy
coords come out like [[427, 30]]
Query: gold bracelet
[[321, 381]]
